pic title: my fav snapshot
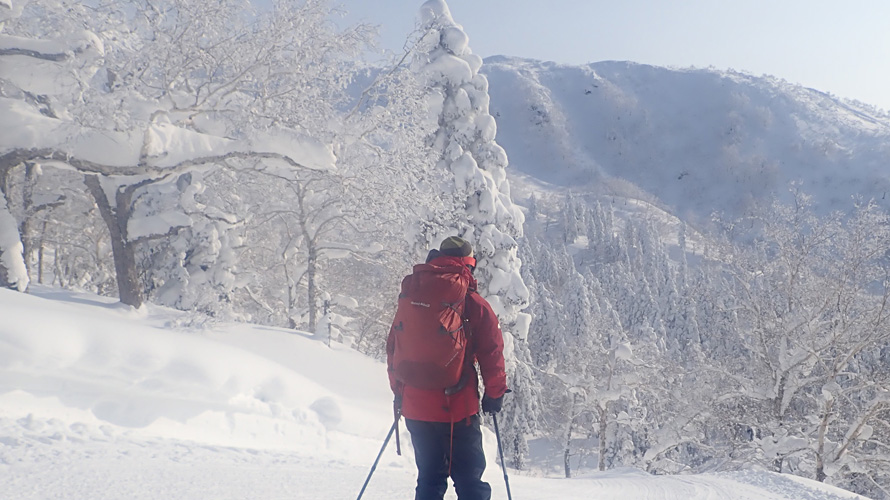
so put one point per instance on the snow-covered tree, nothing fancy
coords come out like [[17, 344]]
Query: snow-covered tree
[[631, 283], [811, 295], [187, 84], [197, 268], [13, 273], [484, 214]]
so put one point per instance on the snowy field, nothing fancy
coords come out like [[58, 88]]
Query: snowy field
[[98, 401]]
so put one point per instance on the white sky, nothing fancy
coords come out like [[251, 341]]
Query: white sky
[[841, 47]]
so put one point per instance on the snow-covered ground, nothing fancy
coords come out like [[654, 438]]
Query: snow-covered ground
[[98, 401]]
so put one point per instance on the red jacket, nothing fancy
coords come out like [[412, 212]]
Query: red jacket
[[486, 346]]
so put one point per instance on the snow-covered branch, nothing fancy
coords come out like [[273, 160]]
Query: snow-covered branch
[[18, 156], [12, 51]]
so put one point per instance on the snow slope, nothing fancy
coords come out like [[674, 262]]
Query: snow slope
[[98, 401], [698, 140]]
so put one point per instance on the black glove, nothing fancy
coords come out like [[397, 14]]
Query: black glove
[[492, 405], [397, 404]]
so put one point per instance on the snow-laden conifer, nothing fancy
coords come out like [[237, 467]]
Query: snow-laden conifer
[[465, 145]]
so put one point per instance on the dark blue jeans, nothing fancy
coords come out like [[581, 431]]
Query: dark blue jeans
[[436, 449]]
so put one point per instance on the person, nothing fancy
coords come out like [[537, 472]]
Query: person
[[445, 425]]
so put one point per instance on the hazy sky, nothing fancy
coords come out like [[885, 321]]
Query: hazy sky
[[837, 46]]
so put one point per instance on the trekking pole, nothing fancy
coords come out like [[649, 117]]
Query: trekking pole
[[398, 416], [374, 467], [497, 434]]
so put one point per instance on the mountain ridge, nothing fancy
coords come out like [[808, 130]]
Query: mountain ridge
[[697, 140]]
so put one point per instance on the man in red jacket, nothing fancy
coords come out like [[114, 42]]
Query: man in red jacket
[[445, 426]]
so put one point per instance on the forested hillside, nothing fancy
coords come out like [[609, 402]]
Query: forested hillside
[[714, 238]]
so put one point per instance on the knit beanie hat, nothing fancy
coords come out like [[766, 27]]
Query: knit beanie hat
[[456, 247]]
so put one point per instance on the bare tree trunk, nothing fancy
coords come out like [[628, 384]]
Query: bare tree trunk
[[567, 454], [40, 253], [520, 450], [116, 219], [5, 168], [602, 437], [311, 286], [4, 276], [4, 181], [566, 457], [778, 404], [17, 276], [291, 302], [25, 229], [57, 270], [291, 291], [820, 442]]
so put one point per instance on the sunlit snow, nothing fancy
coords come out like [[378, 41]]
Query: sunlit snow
[[100, 401]]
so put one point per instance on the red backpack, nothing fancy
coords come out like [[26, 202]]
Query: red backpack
[[430, 338]]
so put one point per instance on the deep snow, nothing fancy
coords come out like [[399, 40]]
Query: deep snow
[[99, 401]]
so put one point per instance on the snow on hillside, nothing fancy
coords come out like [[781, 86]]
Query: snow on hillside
[[625, 207], [98, 401], [698, 140]]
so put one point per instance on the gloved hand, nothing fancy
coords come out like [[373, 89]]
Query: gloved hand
[[492, 405]]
